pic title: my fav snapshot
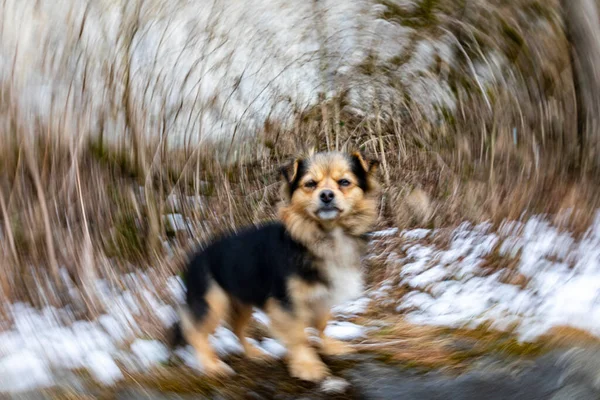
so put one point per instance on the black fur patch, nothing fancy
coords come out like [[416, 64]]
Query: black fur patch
[[252, 267], [175, 336], [299, 174], [293, 183], [359, 172]]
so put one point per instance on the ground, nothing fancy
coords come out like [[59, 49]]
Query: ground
[[500, 331], [557, 375], [134, 131]]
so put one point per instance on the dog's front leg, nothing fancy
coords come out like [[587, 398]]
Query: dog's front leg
[[290, 327], [329, 346]]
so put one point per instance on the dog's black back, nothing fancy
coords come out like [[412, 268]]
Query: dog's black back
[[251, 266]]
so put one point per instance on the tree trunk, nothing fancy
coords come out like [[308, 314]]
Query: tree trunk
[[583, 30]]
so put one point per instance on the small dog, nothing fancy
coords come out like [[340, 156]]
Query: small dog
[[294, 269]]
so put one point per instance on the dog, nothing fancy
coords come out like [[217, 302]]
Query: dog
[[294, 269]]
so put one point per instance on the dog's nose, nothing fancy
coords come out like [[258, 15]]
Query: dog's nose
[[327, 196]]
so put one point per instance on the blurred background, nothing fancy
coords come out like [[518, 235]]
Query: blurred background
[[134, 131]]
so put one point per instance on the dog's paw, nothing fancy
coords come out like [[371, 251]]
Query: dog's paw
[[314, 371], [256, 354], [334, 347], [217, 369], [308, 367]]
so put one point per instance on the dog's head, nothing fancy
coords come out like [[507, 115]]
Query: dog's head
[[330, 188]]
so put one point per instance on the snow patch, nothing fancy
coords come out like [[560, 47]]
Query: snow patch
[[344, 330], [352, 308], [103, 367], [23, 371], [563, 275], [384, 232], [150, 352], [273, 347]]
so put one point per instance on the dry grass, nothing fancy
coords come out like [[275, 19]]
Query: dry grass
[[415, 346], [566, 336], [76, 206]]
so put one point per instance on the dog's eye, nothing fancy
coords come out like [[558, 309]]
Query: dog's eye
[[344, 182], [310, 184]]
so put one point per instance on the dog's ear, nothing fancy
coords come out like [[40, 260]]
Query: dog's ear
[[368, 165], [292, 172], [364, 169]]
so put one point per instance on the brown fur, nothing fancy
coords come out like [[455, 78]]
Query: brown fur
[[359, 208], [239, 318], [336, 245], [290, 328], [197, 334], [328, 240]]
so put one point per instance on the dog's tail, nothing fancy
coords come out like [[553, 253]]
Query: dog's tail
[[175, 337], [195, 304]]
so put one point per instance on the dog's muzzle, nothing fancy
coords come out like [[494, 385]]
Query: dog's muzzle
[[328, 209]]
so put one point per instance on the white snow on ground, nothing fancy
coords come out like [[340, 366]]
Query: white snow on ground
[[384, 232], [352, 308], [273, 347], [103, 367], [449, 287], [150, 352], [39, 344], [23, 371], [344, 330]]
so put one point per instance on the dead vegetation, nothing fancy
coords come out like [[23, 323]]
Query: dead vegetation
[[76, 206]]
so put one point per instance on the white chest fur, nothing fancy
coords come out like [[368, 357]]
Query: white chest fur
[[343, 269]]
